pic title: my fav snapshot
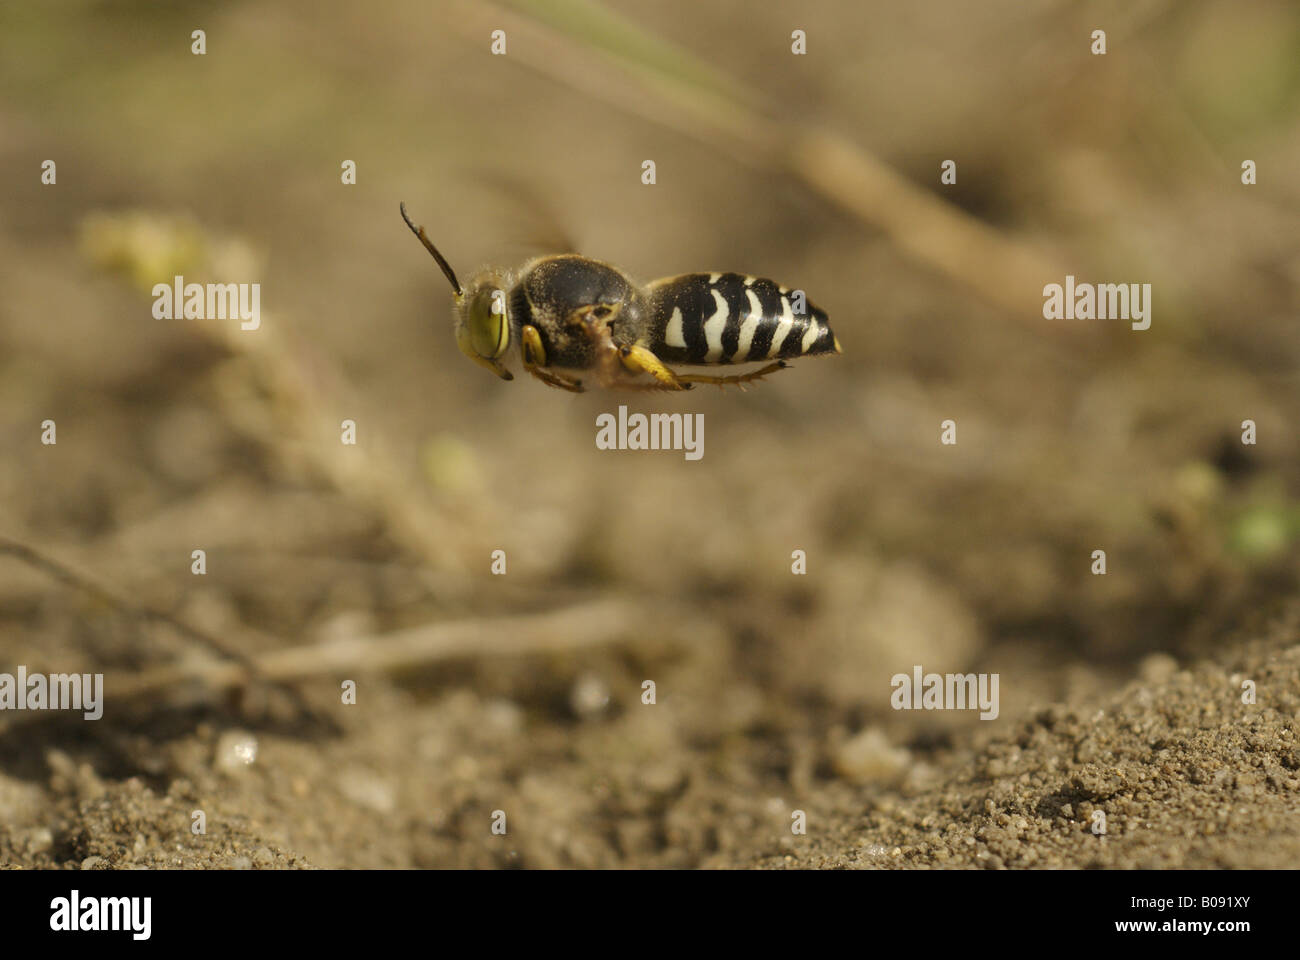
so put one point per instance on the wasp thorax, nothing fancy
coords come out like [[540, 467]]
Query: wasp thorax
[[577, 305]]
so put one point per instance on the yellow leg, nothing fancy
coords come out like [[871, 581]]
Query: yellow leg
[[741, 379], [638, 359], [534, 355], [649, 386]]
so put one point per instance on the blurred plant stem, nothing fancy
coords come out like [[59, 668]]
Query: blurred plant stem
[[551, 632], [287, 396]]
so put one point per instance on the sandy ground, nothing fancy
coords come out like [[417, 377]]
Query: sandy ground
[[1185, 773]]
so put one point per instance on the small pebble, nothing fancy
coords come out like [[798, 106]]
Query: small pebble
[[869, 756], [236, 750], [590, 696]]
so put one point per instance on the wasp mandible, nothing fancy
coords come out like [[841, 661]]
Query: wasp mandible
[[572, 316]]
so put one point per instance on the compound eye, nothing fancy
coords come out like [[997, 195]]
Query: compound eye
[[489, 329]]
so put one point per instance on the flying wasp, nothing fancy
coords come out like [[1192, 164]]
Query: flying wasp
[[573, 316]]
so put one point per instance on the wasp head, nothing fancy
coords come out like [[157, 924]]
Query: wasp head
[[482, 321]]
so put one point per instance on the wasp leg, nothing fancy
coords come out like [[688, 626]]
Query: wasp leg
[[555, 380], [737, 379], [650, 386], [534, 355], [638, 359]]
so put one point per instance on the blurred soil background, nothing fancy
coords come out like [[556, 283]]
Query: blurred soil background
[[522, 693]]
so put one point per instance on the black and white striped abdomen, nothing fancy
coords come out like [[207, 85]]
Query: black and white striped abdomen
[[732, 318]]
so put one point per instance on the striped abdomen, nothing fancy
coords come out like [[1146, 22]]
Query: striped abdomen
[[732, 318]]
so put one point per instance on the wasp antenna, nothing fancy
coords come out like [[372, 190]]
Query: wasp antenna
[[428, 245]]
